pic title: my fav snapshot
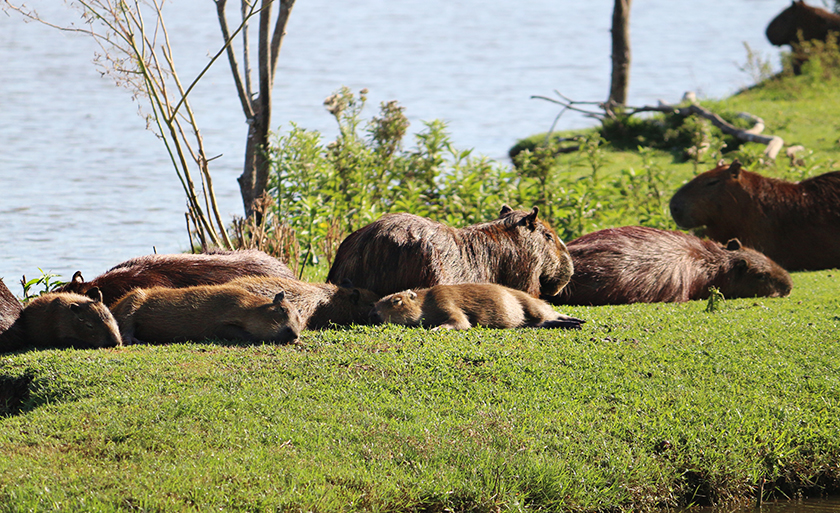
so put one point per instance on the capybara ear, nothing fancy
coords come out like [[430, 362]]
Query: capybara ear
[[733, 245], [95, 294], [280, 297], [346, 283], [396, 300], [412, 294], [505, 211], [531, 219], [77, 277], [735, 169]]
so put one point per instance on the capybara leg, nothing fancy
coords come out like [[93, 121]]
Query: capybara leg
[[563, 322], [456, 322]]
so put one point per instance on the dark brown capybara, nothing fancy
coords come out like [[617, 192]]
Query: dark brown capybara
[[637, 264], [179, 270], [795, 224], [321, 305], [465, 305], [801, 18], [404, 251], [161, 315], [65, 319], [10, 307]]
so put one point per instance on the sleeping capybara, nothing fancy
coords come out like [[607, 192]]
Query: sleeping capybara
[[404, 251], [160, 315], [795, 224], [320, 304], [65, 319], [465, 305], [10, 307], [179, 270], [637, 264]]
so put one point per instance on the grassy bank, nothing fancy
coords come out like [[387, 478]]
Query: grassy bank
[[647, 406]]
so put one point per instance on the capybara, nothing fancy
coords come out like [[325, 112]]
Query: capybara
[[320, 304], [637, 264], [160, 315], [801, 19], [179, 270], [795, 224], [404, 251], [65, 319], [465, 305], [10, 307]]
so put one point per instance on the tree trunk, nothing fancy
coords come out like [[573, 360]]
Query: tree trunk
[[620, 53]]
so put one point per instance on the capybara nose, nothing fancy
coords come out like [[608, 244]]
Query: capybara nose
[[288, 335], [374, 317]]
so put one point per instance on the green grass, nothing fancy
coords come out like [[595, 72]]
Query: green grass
[[648, 405]]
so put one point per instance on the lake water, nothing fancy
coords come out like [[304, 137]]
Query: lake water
[[85, 186]]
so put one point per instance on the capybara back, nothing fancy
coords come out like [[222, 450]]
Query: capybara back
[[179, 270], [404, 251]]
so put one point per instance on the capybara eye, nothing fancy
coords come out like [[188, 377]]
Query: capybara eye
[[549, 237], [712, 182]]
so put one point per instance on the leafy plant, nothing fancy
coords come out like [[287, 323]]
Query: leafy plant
[[40, 285]]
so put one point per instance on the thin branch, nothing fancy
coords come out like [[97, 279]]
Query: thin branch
[[244, 96], [280, 31]]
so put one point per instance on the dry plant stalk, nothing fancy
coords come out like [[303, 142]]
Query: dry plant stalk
[[137, 54], [266, 233]]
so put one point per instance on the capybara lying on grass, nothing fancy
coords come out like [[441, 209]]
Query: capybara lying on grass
[[64, 319], [160, 315], [795, 224], [320, 304], [636, 264], [10, 307], [465, 305], [404, 251], [179, 270]]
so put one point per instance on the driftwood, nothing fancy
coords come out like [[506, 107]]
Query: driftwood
[[774, 143]]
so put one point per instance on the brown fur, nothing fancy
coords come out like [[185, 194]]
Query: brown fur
[[162, 315], [636, 264], [321, 305], [64, 319], [179, 270], [10, 307], [795, 224], [404, 251], [465, 305], [813, 22]]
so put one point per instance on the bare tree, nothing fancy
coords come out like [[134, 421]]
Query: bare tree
[[256, 105], [620, 82]]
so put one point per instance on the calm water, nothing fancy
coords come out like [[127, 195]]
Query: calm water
[[831, 505], [85, 186]]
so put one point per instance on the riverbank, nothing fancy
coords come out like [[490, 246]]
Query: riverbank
[[648, 406]]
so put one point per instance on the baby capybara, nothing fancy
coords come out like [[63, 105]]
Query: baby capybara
[[10, 307], [795, 224], [321, 305], [160, 315], [637, 264], [65, 319], [465, 305], [179, 270], [404, 251]]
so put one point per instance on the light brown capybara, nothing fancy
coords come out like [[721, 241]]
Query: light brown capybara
[[179, 270], [404, 251], [65, 319], [795, 224], [465, 305], [10, 307], [321, 305], [161, 315], [637, 264]]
